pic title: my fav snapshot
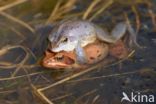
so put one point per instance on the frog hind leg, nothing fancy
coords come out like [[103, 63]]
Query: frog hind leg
[[119, 31], [80, 54], [116, 34], [104, 35], [133, 37]]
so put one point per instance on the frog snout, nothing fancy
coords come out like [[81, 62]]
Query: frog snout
[[53, 46]]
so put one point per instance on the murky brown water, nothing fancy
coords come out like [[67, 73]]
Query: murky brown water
[[22, 50]]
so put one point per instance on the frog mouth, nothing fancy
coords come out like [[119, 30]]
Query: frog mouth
[[58, 60]]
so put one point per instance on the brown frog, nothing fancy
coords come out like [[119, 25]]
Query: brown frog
[[94, 53]]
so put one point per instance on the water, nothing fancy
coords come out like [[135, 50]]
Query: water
[[103, 85]]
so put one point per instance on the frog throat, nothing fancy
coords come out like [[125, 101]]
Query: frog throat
[[70, 46]]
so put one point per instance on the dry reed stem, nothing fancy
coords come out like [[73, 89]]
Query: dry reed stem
[[152, 14], [20, 65], [90, 8], [61, 97], [59, 11], [68, 4], [41, 95], [22, 76], [29, 81], [6, 65], [67, 7], [86, 94], [107, 76], [18, 33], [87, 101], [131, 32], [18, 21], [138, 23], [73, 15], [17, 2], [7, 91], [95, 99], [54, 12], [46, 79], [28, 54], [105, 6], [4, 50]]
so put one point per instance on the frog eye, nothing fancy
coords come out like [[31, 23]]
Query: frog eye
[[64, 39]]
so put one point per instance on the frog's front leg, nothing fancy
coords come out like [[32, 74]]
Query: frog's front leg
[[80, 54]]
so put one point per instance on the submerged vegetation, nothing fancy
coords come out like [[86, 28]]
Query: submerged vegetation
[[23, 40]]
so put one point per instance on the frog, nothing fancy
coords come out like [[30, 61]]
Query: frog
[[74, 35], [95, 52]]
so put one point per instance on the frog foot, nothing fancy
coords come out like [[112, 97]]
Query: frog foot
[[118, 50]]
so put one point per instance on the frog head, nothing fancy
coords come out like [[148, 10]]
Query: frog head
[[62, 39], [58, 60]]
